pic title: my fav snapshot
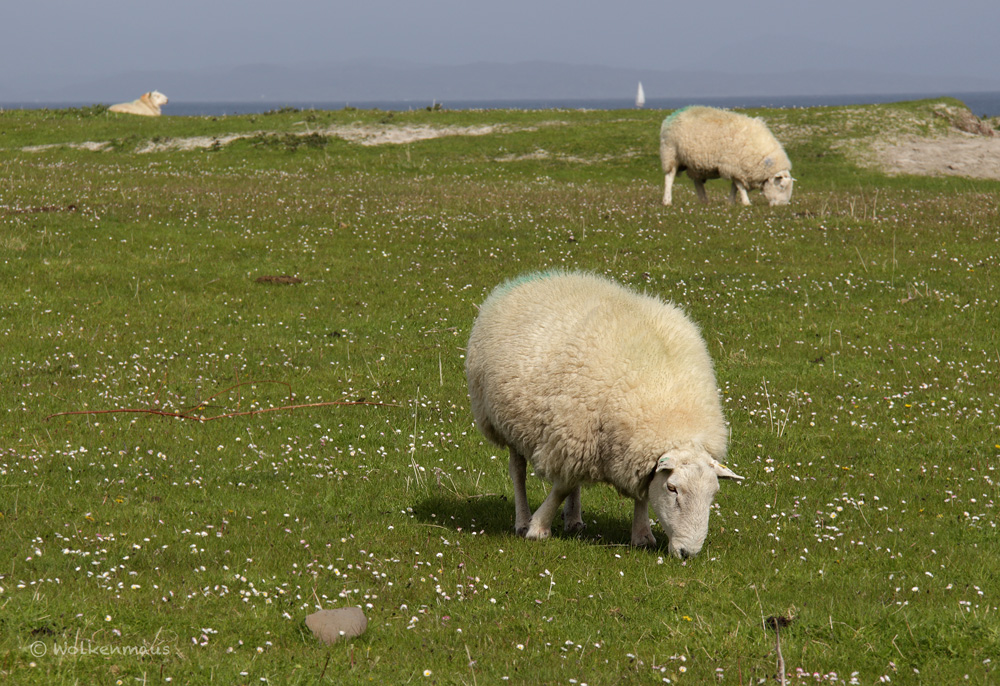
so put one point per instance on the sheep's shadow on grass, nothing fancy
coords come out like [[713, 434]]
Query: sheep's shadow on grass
[[493, 515]]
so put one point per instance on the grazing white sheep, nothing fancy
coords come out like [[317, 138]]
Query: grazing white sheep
[[711, 143], [592, 383], [148, 105]]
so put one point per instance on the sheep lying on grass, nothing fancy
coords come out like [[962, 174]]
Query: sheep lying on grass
[[711, 143], [593, 382], [148, 105]]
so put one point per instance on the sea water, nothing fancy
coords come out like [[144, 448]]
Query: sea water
[[981, 104]]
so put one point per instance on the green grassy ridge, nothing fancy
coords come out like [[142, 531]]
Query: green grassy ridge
[[852, 337]]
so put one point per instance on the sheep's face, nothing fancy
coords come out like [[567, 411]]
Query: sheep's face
[[778, 188], [158, 98], [684, 485]]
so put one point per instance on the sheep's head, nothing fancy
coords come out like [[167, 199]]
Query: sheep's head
[[684, 485], [778, 188], [158, 98]]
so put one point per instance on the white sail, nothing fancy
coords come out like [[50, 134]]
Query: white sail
[[640, 96]]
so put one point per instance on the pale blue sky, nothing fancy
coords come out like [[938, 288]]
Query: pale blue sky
[[52, 39]]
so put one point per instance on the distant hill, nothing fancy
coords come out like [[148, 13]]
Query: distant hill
[[370, 81]]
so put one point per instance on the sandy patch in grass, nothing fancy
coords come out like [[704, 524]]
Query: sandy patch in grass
[[193, 143], [93, 146], [540, 154], [958, 154], [363, 134], [396, 135]]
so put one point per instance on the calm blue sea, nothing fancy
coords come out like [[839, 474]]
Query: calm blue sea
[[981, 104]]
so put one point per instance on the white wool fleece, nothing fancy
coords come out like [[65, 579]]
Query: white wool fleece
[[591, 381]]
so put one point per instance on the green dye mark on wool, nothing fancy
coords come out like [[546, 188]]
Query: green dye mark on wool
[[511, 284], [673, 115]]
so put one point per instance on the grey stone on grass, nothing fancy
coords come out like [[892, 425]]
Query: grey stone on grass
[[331, 626]]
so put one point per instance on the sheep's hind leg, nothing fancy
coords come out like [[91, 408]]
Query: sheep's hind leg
[[522, 513], [573, 513], [642, 533], [699, 188], [541, 522]]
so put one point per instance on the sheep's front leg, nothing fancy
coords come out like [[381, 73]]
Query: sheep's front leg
[[573, 513], [516, 467], [541, 522], [642, 534], [668, 186], [740, 188]]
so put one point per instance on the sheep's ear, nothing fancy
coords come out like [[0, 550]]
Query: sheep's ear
[[666, 463], [782, 180], [724, 472]]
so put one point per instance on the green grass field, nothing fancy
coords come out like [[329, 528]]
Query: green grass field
[[854, 334]]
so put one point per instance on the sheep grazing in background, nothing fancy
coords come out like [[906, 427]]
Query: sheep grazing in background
[[592, 383], [711, 144], [148, 105]]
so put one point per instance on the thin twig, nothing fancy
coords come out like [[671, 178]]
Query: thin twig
[[247, 383], [781, 659], [472, 664], [776, 623], [413, 446], [770, 411], [181, 415]]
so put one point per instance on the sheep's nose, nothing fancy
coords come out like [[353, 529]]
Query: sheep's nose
[[683, 553]]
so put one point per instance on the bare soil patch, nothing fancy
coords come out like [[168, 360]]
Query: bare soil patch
[[281, 278], [958, 154]]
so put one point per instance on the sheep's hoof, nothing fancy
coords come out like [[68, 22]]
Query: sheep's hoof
[[574, 527], [644, 540], [538, 534]]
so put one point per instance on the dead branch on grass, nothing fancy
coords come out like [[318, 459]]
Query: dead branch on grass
[[187, 414]]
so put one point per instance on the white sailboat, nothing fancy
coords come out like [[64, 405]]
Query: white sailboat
[[640, 96]]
